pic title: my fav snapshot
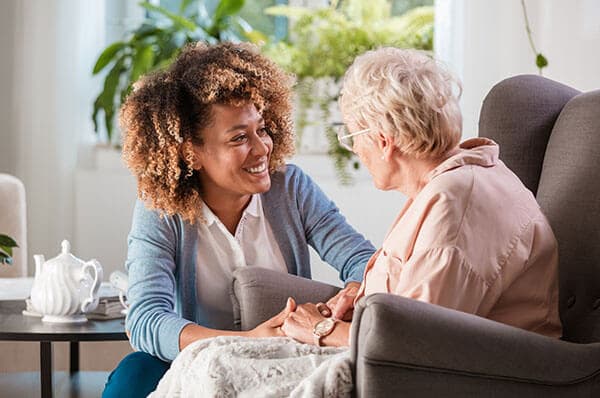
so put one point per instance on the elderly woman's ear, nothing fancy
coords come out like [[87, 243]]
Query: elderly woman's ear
[[386, 146]]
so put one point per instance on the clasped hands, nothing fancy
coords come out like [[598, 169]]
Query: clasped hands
[[298, 321]]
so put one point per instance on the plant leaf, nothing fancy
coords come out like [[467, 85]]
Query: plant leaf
[[107, 56], [106, 99], [252, 35], [176, 19], [142, 62], [255, 36], [287, 11], [226, 8], [168, 46], [145, 30], [7, 250], [7, 241], [541, 61], [165, 62], [184, 4]]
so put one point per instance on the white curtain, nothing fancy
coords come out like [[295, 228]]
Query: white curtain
[[55, 45]]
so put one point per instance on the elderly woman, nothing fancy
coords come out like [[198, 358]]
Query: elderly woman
[[207, 140], [470, 237]]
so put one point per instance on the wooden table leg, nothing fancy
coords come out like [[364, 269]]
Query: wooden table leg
[[74, 353], [46, 368]]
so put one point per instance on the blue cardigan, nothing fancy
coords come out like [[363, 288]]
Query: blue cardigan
[[161, 258]]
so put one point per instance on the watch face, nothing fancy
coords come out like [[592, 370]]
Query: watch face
[[324, 327]]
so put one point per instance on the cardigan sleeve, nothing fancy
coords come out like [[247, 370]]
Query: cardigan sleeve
[[328, 232], [152, 322]]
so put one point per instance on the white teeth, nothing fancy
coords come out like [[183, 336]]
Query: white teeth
[[258, 169]]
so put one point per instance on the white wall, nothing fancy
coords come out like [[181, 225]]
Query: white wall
[[8, 158], [105, 194], [367, 209], [46, 91], [486, 41], [570, 37]]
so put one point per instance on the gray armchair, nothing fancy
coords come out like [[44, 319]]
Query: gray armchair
[[549, 135]]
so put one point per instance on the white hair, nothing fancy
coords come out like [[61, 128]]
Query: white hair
[[406, 95]]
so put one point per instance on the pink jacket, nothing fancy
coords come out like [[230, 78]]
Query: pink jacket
[[475, 240]]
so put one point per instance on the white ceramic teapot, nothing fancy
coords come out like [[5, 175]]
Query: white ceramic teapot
[[65, 287]]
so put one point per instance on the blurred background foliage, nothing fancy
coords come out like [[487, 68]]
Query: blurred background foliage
[[323, 42], [316, 44], [154, 45]]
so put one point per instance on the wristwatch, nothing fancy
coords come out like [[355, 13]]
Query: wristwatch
[[323, 328]]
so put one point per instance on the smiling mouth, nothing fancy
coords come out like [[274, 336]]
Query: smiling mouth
[[258, 169]]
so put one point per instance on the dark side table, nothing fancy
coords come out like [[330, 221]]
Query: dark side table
[[14, 326]]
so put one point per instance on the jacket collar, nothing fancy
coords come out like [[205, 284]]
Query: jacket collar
[[475, 151]]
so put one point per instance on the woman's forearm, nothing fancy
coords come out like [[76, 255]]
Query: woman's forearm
[[194, 332], [269, 328]]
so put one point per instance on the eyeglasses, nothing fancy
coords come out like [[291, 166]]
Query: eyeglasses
[[346, 139]]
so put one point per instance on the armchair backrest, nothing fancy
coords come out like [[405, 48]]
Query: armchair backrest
[[549, 135], [519, 114]]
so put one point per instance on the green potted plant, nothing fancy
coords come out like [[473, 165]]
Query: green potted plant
[[6, 247], [155, 43], [324, 41]]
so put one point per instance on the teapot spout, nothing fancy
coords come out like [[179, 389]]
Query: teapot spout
[[39, 261]]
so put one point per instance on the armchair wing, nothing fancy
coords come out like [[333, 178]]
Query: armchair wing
[[259, 293]]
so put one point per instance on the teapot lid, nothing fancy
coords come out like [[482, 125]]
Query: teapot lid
[[65, 256]]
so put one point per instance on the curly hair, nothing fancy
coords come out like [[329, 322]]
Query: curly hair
[[163, 115], [406, 95]]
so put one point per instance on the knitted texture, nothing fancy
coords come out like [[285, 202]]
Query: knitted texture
[[266, 367]]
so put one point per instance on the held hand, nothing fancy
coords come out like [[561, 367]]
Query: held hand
[[300, 323], [341, 305], [272, 327]]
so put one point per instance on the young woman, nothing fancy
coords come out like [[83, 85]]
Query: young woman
[[207, 141]]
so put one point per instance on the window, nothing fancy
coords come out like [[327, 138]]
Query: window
[[252, 12]]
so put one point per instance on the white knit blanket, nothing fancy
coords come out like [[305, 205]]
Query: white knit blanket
[[267, 367]]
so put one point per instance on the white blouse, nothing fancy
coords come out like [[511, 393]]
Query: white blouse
[[220, 253]]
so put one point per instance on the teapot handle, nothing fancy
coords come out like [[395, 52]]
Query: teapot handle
[[91, 302]]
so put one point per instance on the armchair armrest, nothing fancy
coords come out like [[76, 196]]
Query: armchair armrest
[[428, 350], [259, 293]]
